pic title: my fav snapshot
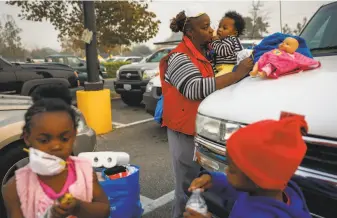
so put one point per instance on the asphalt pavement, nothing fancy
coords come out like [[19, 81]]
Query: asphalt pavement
[[137, 134]]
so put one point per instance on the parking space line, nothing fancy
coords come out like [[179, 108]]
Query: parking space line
[[131, 124], [118, 124], [161, 201], [145, 200]]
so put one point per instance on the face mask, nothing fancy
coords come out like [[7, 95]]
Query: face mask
[[45, 164]]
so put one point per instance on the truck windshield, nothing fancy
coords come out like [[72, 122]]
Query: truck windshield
[[156, 57], [320, 33]]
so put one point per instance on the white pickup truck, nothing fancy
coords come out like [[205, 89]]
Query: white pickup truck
[[312, 94]]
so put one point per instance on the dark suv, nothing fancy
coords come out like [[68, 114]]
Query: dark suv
[[23, 78]]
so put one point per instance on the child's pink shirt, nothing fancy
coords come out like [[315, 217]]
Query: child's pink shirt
[[35, 200], [71, 178]]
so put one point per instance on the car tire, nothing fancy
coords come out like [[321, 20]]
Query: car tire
[[132, 99], [10, 155]]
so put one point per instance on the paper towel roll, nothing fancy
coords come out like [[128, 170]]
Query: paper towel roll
[[107, 159]]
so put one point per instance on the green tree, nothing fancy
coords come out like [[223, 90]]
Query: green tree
[[117, 22]]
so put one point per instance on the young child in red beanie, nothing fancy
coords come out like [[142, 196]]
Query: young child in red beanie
[[262, 158]]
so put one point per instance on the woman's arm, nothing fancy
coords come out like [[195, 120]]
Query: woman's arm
[[99, 207], [228, 79], [186, 77], [11, 200]]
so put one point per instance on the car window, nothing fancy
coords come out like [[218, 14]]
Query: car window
[[246, 45], [156, 57], [73, 61], [321, 31], [58, 60], [137, 59]]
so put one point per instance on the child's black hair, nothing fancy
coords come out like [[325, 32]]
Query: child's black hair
[[50, 98], [239, 22]]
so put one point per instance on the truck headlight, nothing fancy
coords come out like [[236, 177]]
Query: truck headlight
[[214, 129], [117, 74], [149, 87], [149, 74]]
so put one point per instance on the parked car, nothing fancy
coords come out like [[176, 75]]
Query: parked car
[[249, 43], [131, 59], [12, 110], [152, 94], [131, 79], [23, 78], [76, 63], [312, 94]]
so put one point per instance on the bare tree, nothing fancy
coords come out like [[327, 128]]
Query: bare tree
[[256, 23], [300, 26], [286, 29]]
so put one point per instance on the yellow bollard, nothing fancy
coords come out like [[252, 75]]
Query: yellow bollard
[[96, 109]]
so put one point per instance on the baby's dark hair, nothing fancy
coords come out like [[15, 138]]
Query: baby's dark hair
[[180, 23], [239, 22], [50, 98]]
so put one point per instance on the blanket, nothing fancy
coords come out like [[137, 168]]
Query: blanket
[[272, 41]]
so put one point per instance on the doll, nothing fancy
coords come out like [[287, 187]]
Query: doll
[[282, 61]]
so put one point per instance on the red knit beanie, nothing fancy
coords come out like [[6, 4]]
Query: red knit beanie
[[269, 151]]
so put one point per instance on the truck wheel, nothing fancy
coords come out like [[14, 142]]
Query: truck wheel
[[10, 156], [132, 99]]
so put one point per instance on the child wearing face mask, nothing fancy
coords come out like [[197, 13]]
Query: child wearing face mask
[[262, 158], [226, 43], [52, 173]]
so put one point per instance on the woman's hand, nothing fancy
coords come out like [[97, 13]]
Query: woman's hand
[[192, 214], [245, 66], [203, 182]]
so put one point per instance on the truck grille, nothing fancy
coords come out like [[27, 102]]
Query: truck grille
[[129, 75], [321, 157]]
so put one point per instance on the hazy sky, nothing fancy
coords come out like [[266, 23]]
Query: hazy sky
[[43, 34]]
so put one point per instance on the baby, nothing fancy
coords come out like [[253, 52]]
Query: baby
[[226, 43]]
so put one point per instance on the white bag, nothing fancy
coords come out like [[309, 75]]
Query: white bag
[[243, 54]]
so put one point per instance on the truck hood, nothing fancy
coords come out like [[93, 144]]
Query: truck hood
[[140, 66], [14, 102], [311, 93]]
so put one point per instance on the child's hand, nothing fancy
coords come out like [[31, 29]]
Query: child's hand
[[203, 182], [66, 209], [216, 37], [192, 214]]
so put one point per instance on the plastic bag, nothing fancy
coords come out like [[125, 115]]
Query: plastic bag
[[243, 54], [124, 194], [197, 202], [158, 114]]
